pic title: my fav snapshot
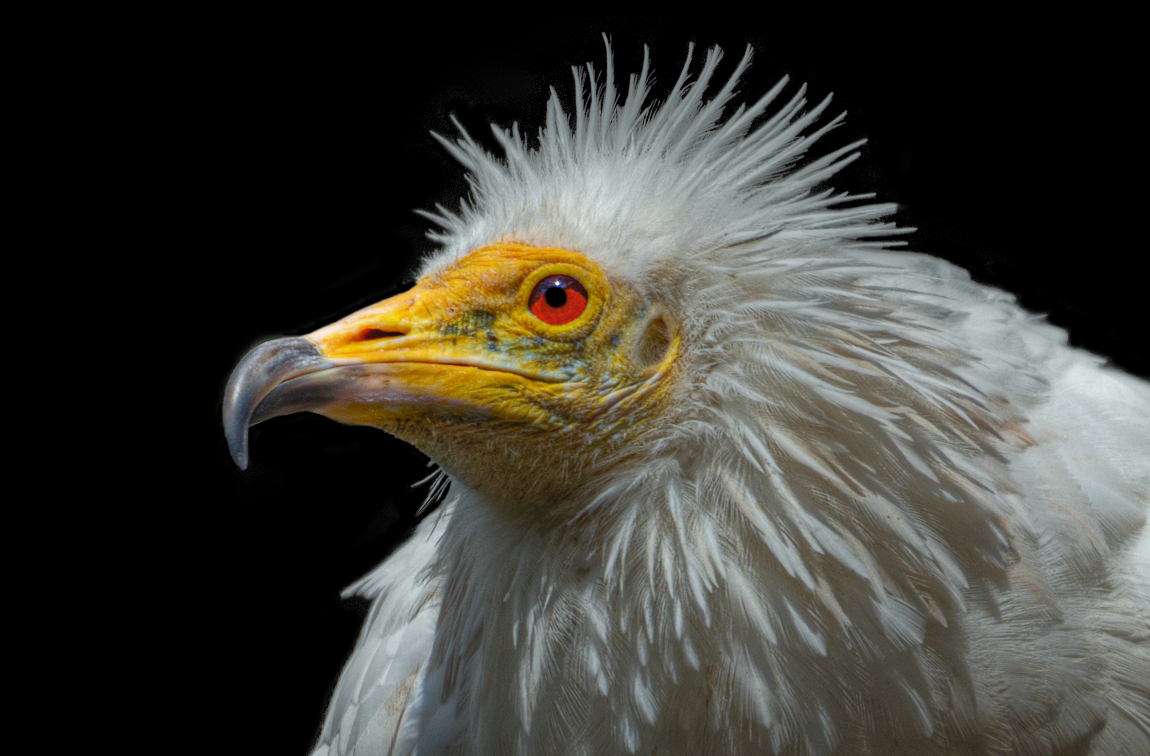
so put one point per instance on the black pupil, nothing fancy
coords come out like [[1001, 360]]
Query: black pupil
[[556, 296]]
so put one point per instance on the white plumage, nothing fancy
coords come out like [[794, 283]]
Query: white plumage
[[890, 511]]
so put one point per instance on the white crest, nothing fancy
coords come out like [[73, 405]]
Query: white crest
[[636, 181]]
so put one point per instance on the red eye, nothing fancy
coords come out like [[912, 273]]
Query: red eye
[[558, 300]]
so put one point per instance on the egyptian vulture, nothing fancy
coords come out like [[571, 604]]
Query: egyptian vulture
[[729, 474]]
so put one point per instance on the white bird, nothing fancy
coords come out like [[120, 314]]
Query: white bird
[[728, 475]]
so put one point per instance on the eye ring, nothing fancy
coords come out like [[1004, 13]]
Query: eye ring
[[558, 300]]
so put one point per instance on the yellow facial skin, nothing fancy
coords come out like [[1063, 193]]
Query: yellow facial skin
[[509, 404]]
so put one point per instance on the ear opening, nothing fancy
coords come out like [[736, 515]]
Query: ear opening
[[653, 345]]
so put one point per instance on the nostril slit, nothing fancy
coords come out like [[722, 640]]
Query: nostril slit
[[375, 333]]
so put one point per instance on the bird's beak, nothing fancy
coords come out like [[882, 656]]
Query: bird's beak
[[406, 360]]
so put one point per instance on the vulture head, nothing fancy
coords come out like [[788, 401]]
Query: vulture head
[[570, 330]]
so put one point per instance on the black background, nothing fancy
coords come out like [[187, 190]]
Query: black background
[[276, 159]]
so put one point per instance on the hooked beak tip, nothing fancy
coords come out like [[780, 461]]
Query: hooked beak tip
[[257, 375], [239, 455]]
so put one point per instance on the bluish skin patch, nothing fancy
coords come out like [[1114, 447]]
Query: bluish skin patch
[[615, 340], [470, 324]]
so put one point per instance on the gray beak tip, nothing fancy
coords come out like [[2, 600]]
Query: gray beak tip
[[258, 374], [239, 456]]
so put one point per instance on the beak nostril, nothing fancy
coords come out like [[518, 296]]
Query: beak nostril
[[372, 334]]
